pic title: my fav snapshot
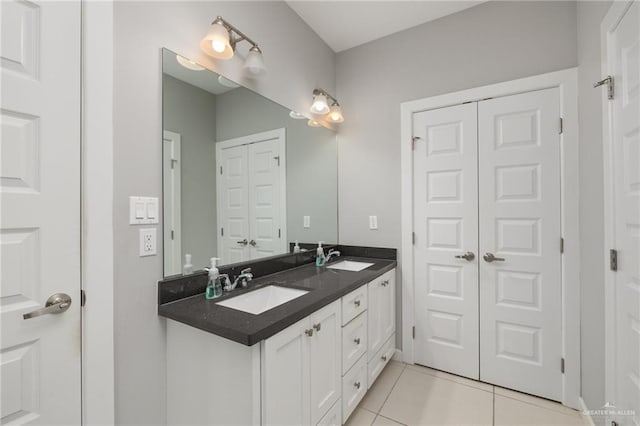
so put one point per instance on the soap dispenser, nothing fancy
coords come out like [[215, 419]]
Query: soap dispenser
[[296, 248], [320, 258], [214, 287]]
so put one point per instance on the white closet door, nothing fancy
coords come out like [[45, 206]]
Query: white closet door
[[265, 191], [234, 188], [520, 296], [446, 226], [626, 181]]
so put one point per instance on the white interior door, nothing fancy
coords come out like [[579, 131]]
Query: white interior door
[[172, 203], [519, 205], [624, 63], [446, 226], [40, 222], [233, 200], [266, 169]]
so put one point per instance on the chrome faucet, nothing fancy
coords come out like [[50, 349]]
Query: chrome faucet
[[331, 254], [242, 279]]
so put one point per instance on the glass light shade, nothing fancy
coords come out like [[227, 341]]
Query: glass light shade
[[254, 64], [335, 114], [313, 123], [227, 83], [319, 105], [296, 115], [216, 42], [188, 63]]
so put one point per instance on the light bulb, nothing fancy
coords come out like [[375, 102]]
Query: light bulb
[[335, 114], [217, 43], [319, 105]]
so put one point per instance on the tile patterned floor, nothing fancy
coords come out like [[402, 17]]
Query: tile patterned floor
[[413, 395]]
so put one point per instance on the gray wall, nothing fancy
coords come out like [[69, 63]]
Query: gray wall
[[188, 110], [312, 163], [489, 43], [298, 61], [590, 14]]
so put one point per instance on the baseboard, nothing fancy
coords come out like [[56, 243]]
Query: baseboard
[[398, 356], [585, 412]]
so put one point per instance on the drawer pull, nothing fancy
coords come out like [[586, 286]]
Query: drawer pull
[[356, 302], [309, 332], [384, 357], [357, 385], [317, 326], [384, 283], [356, 340]]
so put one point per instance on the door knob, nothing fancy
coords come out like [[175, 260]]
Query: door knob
[[243, 242], [468, 256], [490, 257], [56, 304], [252, 243]]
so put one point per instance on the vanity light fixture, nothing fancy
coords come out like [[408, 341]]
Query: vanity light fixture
[[221, 40], [320, 106], [189, 64]]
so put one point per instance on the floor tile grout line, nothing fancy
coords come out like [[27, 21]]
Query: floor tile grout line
[[389, 394], [454, 381], [389, 418], [561, 409]]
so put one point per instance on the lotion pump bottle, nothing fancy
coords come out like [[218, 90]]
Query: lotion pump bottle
[[187, 269], [320, 258], [296, 248], [214, 288]]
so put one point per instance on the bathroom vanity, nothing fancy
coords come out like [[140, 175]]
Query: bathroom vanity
[[307, 361]]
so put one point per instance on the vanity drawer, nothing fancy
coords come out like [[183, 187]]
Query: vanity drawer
[[333, 416], [380, 360], [354, 341], [354, 386], [353, 304]]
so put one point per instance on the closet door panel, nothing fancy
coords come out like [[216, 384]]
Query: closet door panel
[[446, 226], [519, 217], [234, 208]]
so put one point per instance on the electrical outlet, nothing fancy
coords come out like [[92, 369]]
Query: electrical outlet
[[306, 222], [373, 222], [148, 242]]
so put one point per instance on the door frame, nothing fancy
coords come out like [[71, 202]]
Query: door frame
[[176, 139], [566, 82], [609, 24], [280, 135]]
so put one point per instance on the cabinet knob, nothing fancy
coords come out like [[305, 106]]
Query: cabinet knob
[[309, 332], [384, 357], [356, 340], [317, 326], [357, 385], [384, 283], [356, 302]]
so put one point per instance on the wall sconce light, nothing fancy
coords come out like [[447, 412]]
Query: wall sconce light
[[320, 106], [221, 40]]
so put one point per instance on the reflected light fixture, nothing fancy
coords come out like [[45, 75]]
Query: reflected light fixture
[[189, 64], [296, 115], [221, 41], [313, 123], [227, 83], [320, 106]]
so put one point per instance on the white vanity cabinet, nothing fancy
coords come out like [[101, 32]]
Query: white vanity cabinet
[[381, 323], [302, 368]]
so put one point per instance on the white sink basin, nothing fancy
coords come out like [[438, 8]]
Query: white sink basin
[[349, 265], [261, 300]]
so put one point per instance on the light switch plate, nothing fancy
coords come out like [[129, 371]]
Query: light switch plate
[[307, 221], [373, 222], [143, 211], [148, 242]]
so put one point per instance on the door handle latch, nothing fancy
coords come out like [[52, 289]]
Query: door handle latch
[[56, 304], [490, 257], [468, 256]]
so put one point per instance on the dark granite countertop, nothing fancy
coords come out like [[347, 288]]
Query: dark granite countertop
[[325, 285]]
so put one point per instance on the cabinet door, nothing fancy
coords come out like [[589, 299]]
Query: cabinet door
[[374, 301], [285, 376], [388, 305], [325, 359]]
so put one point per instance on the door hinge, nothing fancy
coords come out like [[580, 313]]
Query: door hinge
[[278, 159], [172, 234], [413, 142], [220, 169], [562, 365], [561, 245], [222, 232], [279, 233], [614, 423], [613, 259], [173, 163], [83, 298], [608, 80], [413, 238], [561, 126], [413, 331]]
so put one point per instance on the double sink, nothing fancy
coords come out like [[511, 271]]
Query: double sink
[[261, 300]]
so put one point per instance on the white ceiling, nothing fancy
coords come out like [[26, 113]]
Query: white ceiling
[[346, 24]]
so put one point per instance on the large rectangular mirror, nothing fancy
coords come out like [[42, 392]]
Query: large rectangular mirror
[[242, 178]]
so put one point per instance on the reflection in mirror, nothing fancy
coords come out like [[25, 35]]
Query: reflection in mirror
[[243, 177]]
